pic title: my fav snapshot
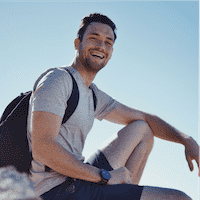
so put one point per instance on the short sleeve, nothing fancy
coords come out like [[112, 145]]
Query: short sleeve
[[52, 92], [105, 103]]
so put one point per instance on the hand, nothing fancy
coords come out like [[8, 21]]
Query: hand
[[192, 151], [119, 176]]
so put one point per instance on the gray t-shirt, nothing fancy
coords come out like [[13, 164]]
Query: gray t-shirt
[[50, 94]]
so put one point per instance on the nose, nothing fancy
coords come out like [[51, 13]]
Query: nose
[[100, 44]]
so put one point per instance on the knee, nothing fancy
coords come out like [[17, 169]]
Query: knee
[[144, 129], [148, 137], [176, 194], [163, 193], [181, 195], [141, 130]]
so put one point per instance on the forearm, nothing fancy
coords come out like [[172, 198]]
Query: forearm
[[163, 130], [57, 158]]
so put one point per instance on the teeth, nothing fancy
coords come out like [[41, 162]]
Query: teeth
[[98, 55]]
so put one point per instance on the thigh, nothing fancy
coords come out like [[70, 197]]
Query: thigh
[[99, 160], [120, 149], [62, 191], [108, 192], [93, 191], [158, 193], [81, 190], [122, 192]]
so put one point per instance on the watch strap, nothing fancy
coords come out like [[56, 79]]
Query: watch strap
[[104, 180]]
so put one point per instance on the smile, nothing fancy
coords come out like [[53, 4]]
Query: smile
[[97, 55]]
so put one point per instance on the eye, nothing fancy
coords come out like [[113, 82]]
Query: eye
[[108, 43], [93, 38]]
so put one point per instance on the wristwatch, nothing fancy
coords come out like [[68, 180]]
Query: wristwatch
[[105, 177]]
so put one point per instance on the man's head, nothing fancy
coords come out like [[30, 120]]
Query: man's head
[[94, 43], [95, 17]]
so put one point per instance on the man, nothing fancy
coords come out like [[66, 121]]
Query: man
[[59, 146]]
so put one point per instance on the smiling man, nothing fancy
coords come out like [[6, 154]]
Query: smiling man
[[58, 167]]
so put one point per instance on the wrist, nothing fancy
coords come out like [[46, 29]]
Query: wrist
[[91, 173], [105, 177], [186, 140]]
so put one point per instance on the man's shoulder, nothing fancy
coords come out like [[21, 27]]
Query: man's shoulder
[[58, 71], [55, 74], [93, 86], [98, 92]]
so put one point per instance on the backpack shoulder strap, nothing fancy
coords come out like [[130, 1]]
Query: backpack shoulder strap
[[94, 99], [72, 101]]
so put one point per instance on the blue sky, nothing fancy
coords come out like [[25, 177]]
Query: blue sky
[[154, 68]]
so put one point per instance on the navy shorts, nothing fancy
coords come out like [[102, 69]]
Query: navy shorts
[[82, 190]]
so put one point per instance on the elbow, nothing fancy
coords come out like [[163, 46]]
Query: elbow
[[136, 117], [36, 156], [38, 151], [150, 117], [152, 120], [42, 150]]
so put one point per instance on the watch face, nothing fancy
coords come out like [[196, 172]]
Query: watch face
[[105, 174]]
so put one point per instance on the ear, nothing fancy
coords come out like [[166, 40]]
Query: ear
[[77, 43]]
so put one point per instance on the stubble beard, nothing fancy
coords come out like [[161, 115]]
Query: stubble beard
[[89, 65], [93, 67]]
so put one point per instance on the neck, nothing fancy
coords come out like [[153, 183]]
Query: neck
[[86, 75]]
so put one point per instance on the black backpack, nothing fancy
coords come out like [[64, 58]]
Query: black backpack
[[14, 149]]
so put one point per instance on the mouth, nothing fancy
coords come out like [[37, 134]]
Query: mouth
[[97, 55]]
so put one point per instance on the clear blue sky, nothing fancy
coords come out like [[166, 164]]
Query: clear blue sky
[[154, 68]]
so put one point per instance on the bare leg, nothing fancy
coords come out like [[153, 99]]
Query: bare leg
[[131, 148], [156, 193], [139, 157]]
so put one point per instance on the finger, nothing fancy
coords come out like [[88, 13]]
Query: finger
[[198, 160], [199, 171], [190, 164], [130, 178], [130, 181]]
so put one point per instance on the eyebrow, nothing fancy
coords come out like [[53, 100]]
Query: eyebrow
[[98, 35]]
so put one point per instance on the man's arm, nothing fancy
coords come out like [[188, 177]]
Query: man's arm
[[45, 149], [125, 115]]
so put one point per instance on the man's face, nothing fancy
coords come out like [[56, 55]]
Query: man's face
[[96, 47]]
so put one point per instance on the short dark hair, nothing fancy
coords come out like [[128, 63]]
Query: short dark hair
[[95, 17]]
